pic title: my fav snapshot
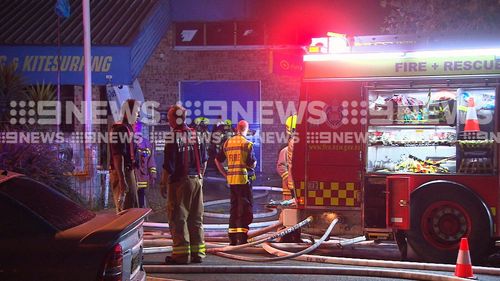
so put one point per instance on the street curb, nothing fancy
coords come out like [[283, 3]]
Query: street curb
[[150, 278]]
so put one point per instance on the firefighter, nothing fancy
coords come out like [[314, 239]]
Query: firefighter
[[123, 159], [284, 164], [222, 131], [241, 164], [145, 172], [200, 125], [291, 124], [182, 178], [284, 169]]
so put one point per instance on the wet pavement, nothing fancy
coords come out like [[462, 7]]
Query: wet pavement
[[216, 188]]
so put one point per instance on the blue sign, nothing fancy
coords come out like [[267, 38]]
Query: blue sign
[[233, 100], [40, 64]]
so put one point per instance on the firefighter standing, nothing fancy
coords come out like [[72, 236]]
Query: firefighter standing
[[284, 165], [145, 172], [123, 159], [291, 124], [241, 164], [284, 169], [182, 178]]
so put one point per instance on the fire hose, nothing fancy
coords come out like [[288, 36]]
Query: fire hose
[[302, 256], [272, 237], [238, 247], [272, 213], [220, 234], [308, 270], [379, 263], [311, 248]]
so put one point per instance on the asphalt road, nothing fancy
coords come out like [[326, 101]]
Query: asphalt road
[[214, 261]]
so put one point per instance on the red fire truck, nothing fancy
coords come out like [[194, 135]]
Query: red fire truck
[[407, 146]]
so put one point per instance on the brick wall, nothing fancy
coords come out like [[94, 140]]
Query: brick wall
[[167, 67]]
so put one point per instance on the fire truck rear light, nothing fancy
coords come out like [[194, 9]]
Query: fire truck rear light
[[113, 264]]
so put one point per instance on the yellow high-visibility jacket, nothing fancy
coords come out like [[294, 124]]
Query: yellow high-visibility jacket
[[239, 154]]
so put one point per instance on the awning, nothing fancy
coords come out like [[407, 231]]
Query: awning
[[124, 35]]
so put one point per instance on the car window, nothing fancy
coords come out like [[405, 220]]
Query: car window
[[50, 205], [16, 221]]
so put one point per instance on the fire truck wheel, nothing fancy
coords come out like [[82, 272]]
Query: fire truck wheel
[[441, 214]]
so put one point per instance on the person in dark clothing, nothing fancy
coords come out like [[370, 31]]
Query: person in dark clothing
[[124, 159], [241, 164], [182, 178], [145, 172]]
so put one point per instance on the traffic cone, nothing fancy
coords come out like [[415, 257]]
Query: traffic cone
[[463, 268], [471, 122]]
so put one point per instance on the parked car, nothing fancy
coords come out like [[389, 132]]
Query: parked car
[[46, 236]]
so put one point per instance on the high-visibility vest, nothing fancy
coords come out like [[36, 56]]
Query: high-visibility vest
[[237, 150]]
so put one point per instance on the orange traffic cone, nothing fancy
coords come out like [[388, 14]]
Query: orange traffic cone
[[463, 268], [471, 123]]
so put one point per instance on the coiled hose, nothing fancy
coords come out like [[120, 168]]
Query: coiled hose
[[220, 251]]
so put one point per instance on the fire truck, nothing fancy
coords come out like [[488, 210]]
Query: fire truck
[[407, 144]]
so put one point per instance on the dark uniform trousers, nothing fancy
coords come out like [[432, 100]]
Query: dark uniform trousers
[[131, 200], [185, 214], [241, 213]]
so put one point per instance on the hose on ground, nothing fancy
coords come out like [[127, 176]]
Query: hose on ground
[[292, 255], [168, 249], [221, 234], [226, 201], [162, 226], [379, 263], [306, 270], [234, 248], [271, 237]]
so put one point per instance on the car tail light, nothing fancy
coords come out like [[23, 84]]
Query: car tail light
[[113, 265]]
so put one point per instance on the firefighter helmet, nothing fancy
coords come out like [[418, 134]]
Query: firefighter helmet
[[201, 121], [291, 124]]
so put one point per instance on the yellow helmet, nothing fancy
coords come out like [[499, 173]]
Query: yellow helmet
[[291, 123], [200, 120]]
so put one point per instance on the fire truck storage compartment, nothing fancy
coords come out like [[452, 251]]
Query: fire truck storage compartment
[[375, 201], [435, 146], [421, 130]]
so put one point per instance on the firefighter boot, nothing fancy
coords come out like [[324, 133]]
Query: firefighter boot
[[242, 238], [233, 239]]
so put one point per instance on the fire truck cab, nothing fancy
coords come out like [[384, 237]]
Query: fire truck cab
[[406, 145]]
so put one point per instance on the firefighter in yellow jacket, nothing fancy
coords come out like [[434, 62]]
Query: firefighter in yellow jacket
[[284, 164], [241, 164], [182, 179], [284, 169]]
